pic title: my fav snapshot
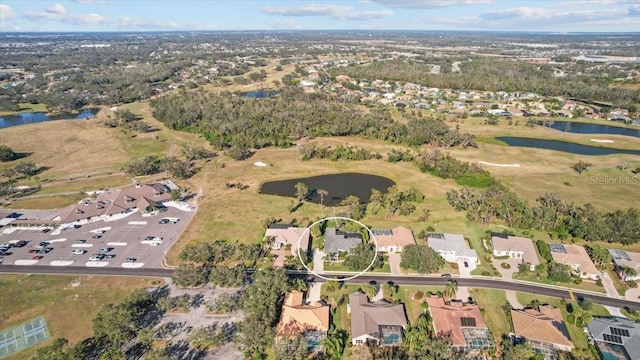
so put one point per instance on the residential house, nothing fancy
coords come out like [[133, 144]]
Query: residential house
[[576, 257], [452, 247], [543, 328], [310, 320], [336, 241], [393, 240], [616, 338], [281, 235], [515, 248], [375, 324], [461, 323], [622, 259]]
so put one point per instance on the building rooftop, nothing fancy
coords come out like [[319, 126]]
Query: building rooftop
[[570, 254], [463, 323], [619, 336], [450, 242], [399, 236], [288, 234], [626, 258], [544, 324], [503, 242], [374, 318], [297, 318], [336, 241]]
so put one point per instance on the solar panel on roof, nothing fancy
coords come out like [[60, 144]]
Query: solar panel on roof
[[619, 254], [382, 232], [559, 248], [436, 236], [468, 321], [618, 331], [612, 338]]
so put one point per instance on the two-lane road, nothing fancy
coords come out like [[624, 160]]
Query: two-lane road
[[400, 280]]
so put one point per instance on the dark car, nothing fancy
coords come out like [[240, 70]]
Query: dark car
[[446, 276], [37, 257], [466, 264], [20, 243], [96, 236], [163, 221], [32, 251], [46, 230], [44, 243], [81, 241]]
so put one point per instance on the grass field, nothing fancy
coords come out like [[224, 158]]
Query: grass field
[[68, 303], [490, 302]]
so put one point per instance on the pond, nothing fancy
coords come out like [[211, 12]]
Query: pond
[[339, 187], [35, 117], [588, 128], [260, 94], [564, 146]]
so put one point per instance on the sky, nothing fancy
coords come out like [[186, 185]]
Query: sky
[[180, 15]]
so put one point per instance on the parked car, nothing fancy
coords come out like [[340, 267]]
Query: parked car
[[79, 252], [446, 276], [96, 236], [32, 251], [130, 260], [46, 230], [96, 257], [163, 221], [105, 249], [44, 243], [109, 256], [21, 243], [466, 264], [37, 257], [81, 241]]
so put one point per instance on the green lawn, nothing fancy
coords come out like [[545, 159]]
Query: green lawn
[[576, 333], [490, 302], [584, 285], [414, 308]]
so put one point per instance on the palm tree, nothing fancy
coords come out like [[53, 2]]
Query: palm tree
[[334, 343], [322, 193], [450, 289]]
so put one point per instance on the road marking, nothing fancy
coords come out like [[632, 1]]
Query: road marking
[[117, 243], [96, 263], [137, 223], [25, 262], [82, 245], [57, 240], [135, 265], [61, 263], [571, 295]]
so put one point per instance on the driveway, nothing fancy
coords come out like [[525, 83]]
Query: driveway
[[314, 292], [507, 274], [318, 264], [609, 287], [394, 263], [465, 272]]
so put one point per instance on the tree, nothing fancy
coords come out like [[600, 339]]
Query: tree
[[361, 256], [239, 152], [599, 255], [177, 168], [421, 258], [335, 343], [369, 289], [450, 289], [292, 348], [189, 276], [323, 194], [559, 272], [147, 165], [511, 351], [581, 166], [355, 208], [301, 191], [6, 153], [627, 272], [376, 200]]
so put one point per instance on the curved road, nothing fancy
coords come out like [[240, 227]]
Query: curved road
[[402, 280]]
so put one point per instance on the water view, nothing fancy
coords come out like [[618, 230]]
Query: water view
[[588, 128], [260, 94], [563, 146], [36, 117], [339, 186]]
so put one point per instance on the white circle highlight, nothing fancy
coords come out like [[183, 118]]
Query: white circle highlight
[[371, 236]]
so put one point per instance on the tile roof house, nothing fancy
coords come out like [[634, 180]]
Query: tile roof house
[[312, 320], [375, 324], [281, 235], [543, 328], [461, 323], [452, 247], [576, 257], [393, 240], [625, 258], [515, 248], [616, 338], [336, 241]]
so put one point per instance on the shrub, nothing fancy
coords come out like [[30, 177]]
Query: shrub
[[418, 295], [505, 265], [632, 284], [477, 180], [486, 273]]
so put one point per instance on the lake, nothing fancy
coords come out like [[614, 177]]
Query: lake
[[260, 94], [564, 146], [588, 128], [36, 117], [339, 186]]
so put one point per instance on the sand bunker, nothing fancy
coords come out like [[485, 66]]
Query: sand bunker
[[601, 140], [260, 164], [501, 165]]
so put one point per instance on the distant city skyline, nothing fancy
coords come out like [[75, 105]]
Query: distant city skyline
[[185, 15]]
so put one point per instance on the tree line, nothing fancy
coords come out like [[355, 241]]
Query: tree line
[[227, 120], [560, 219]]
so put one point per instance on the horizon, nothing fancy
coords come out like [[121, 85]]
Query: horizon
[[549, 16]]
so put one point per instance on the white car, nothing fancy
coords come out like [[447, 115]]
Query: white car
[[155, 243], [96, 257], [79, 252]]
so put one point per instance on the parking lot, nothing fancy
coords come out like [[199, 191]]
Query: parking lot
[[126, 238]]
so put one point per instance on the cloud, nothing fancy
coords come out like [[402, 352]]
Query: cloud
[[6, 13], [56, 9], [58, 13], [634, 10], [307, 10], [286, 24], [528, 14], [339, 12], [429, 4], [89, 1]]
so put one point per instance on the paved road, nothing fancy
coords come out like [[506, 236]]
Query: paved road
[[402, 280]]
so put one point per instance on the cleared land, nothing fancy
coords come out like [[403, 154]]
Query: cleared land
[[68, 303]]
